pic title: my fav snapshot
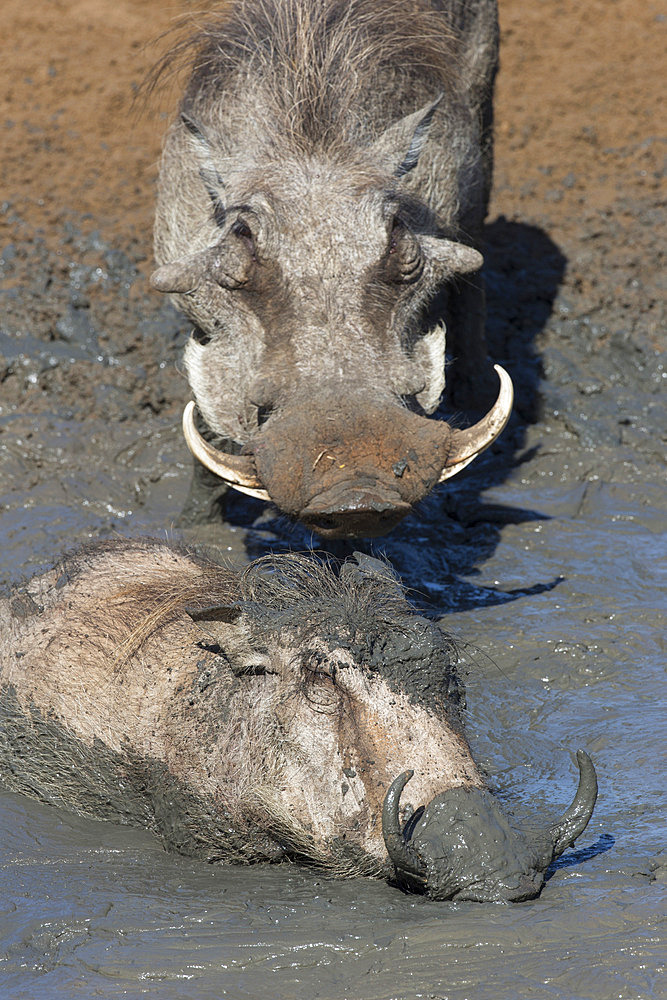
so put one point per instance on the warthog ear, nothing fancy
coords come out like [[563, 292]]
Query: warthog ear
[[369, 567], [400, 146], [226, 613]]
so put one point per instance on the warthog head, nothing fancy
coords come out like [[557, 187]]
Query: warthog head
[[259, 716], [309, 279]]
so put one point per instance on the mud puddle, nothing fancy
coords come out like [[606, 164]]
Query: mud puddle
[[88, 907]]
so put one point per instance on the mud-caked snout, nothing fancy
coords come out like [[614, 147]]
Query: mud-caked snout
[[468, 850], [463, 847]]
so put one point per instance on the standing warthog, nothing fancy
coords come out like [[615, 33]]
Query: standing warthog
[[320, 200], [258, 716]]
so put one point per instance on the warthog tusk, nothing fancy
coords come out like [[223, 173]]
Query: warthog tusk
[[405, 860], [574, 820], [468, 444], [236, 470]]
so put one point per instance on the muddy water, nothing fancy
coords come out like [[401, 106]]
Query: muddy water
[[545, 559], [561, 642]]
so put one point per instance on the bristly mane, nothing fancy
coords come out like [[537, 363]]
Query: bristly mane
[[302, 593], [319, 60]]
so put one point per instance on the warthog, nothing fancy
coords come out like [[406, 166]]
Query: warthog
[[276, 713], [320, 202]]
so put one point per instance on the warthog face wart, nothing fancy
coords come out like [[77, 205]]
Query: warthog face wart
[[307, 239], [258, 716]]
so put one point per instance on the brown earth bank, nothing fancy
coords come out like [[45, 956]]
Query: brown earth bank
[[89, 356]]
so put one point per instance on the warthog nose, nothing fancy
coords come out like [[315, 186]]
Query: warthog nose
[[513, 889], [355, 502], [523, 887], [354, 511]]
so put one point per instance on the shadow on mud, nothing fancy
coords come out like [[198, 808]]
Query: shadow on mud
[[524, 269], [454, 531], [604, 843]]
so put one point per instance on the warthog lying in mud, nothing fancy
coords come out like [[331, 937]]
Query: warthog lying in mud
[[320, 203], [276, 713]]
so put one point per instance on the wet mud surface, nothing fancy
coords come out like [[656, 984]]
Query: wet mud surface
[[546, 558]]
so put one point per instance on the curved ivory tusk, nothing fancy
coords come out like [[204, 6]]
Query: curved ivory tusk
[[574, 820], [236, 470], [470, 443], [404, 859]]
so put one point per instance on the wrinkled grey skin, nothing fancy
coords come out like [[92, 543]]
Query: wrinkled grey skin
[[257, 717], [316, 220]]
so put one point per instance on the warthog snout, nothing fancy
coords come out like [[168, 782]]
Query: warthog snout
[[352, 467], [462, 846]]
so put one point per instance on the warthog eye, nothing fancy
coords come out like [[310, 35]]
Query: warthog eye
[[253, 669], [404, 262], [252, 665], [243, 231], [393, 236], [199, 336], [263, 414]]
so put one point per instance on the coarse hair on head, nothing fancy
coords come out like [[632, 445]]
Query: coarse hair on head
[[318, 61]]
